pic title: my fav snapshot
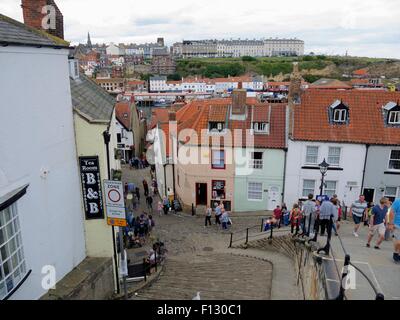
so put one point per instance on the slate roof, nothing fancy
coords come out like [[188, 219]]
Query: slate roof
[[366, 117], [90, 100], [123, 114], [17, 33], [329, 84]]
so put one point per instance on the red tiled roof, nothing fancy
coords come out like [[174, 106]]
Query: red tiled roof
[[360, 72], [366, 125], [123, 114]]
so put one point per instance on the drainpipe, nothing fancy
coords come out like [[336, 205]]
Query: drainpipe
[[365, 165], [165, 180], [284, 175], [173, 179]]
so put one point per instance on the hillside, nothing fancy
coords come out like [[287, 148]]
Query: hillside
[[279, 68]]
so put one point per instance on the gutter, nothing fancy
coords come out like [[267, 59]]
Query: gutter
[[365, 165], [284, 175], [34, 45]]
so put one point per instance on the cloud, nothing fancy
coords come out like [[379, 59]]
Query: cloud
[[366, 27]]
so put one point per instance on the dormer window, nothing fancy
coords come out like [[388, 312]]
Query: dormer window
[[260, 127], [394, 117], [339, 113], [216, 126], [392, 113]]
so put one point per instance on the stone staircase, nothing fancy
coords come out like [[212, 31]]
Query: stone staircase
[[216, 275]]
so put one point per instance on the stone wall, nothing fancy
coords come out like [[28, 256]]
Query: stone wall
[[90, 280]]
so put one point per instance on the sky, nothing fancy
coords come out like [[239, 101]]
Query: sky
[[361, 27]]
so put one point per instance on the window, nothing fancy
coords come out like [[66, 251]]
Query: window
[[254, 191], [394, 161], [394, 117], [118, 137], [330, 188], [12, 261], [216, 126], [391, 193], [340, 115], [260, 127], [334, 156], [218, 159], [256, 161], [218, 189], [308, 187], [312, 155]]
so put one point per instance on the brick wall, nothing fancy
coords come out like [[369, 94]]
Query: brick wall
[[33, 16]]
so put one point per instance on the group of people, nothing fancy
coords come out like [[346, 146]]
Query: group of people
[[138, 162], [221, 216], [314, 216], [138, 229]]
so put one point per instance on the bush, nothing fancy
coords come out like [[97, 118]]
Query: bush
[[248, 58]]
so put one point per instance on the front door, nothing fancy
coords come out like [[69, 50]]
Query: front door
[[201, 194], [274, 197], [369, 195]]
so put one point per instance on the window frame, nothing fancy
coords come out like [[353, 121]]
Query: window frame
[[391, 197], [212, 190], [396, 114], [390, 159], [326, 188], [342, 115], [317, 155], [17, 271], [340, 156], [258, 192], [212, 159], [256, 163], [310, 190]]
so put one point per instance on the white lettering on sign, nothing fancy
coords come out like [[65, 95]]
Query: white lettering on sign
[[93, 207], [92, 194], [90, 177]]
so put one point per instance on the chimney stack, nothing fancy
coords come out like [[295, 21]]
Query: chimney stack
[[239, 101], [171, 115], [43, 15]]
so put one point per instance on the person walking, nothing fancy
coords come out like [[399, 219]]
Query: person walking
[[358, 210], [137, 192], [326, 211], [160, 208], [208, 216], [145, 187], [218, 213], [295, 218], [377, 223], [309, 213], [165, 205], [394, 227], [149, 201], [224, 219]]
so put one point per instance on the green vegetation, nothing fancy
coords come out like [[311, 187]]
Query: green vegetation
[[312, 67]]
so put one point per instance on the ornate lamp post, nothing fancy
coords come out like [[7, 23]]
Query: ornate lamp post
[[323, 168]]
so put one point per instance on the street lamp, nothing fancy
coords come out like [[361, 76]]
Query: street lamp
[[323, 168]]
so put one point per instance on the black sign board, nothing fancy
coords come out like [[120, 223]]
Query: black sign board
[[91, 187]]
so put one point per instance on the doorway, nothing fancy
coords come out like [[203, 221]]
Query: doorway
[[369, 194], [273, 197], [201, 194]]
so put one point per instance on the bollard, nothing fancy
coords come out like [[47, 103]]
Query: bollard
[[262, 225], [193, 210], [230, 243], [247, 235], [155, 259], [144, 268], [344, 275], [272, 228]]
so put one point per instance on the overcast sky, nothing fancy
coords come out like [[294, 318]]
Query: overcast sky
[[363, 27]]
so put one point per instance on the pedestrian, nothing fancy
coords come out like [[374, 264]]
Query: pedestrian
[[295, 218], [394, 227], [137, 191], [224, 219], [377, 223], [160, 208], [335, 215], [208, 216], [151, 223], [145, 188], [309, 213], [327, 211], [358, 210], [218, 213], [165, 205], [278, 215], [149, 201]]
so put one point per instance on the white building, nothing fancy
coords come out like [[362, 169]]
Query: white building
[[114, 50], [41, 218], [158, 84]]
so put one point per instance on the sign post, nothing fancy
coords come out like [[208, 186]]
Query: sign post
[[116, 216]]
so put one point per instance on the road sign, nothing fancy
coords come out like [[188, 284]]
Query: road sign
[[322, 198], [115, 203]]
